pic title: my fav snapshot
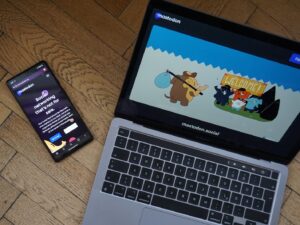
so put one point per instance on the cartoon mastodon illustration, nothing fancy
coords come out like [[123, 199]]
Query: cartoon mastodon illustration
[[185, 88]]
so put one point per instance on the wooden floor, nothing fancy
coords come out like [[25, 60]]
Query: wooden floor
[[88, 44]]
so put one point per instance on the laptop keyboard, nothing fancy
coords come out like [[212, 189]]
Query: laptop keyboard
[[189, 181]]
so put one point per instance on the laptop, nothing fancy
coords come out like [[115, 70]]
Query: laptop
[[206, 123]]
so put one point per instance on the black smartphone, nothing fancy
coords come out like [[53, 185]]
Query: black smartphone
[[49, 110]]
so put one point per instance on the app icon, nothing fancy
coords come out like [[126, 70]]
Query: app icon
[[157, 16], [55, 137], [71, 139], [19, 92], [295, 58]]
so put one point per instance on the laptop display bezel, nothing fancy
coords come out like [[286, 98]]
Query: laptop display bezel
[[234, 141]]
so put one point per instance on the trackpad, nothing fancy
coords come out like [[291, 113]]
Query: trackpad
[[152, 216]]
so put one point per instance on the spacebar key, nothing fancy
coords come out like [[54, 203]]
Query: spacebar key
[[179, 207]]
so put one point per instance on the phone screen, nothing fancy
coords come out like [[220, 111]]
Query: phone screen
[[49, 110]]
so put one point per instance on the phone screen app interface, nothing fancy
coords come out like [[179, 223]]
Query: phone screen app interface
[[49, 110]]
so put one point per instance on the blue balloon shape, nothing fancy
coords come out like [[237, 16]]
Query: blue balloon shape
[[162, 80]]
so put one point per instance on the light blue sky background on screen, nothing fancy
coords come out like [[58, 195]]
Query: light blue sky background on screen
[[224, 57]]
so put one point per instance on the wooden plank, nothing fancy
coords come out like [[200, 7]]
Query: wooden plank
[[287, 194], [45, 191], [291, 208], [4, 221], [27, 212], [294, 178], [212, 7], [115, 7], [86, 45], [2, 72], [129, 52], [284, 221], [298, 157], [87, 109], [284, 13], [186, 3], [4, 113], [65, 173], [6, 153], [8, 195], [63, 61], [238, 10], [97, 20]]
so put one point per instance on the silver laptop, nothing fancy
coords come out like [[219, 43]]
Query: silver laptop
[[205, 124]]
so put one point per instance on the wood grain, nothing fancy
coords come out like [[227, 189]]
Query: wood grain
[[2, 72], [6, 153], [213, 7], [294, 178], [8, 194], [4, 221], [43, 190], [115, 7], [291, 208], [4, 113], [27, 212]]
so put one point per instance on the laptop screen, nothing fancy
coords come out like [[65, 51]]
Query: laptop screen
[[216, 81]]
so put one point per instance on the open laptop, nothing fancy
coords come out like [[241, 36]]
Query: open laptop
[[206, 122]]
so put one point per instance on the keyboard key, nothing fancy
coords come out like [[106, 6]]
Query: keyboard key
[[216, 205], [120, 142], [180, 171], [235, 198], [224, 195], [268, 197], [125, 180], [169, 167], [268, 183], [146, 173], [131, 194], [169, 179], [137, 183], [120, 154], [119, 166], [157, 176], [191, 174], [166, 155], [180, 182], [191, 186], [254, 179], [202, 177], [148, 186], [177, 158], [224, 183], [157, 164], [205, 202], [227, 208], [232, 173], [257, 216], [134, 170], [132, 145], [213, 192], [112, 176], [275, 175], [215, 217], [244, 177], [199, 164], [202, 189], [222, 170], [123, 132], [155, 151], [257, 204], [213, 180], [210, 167], [250, 223], [257, 192], [108, 187], [235, 186], [194, 199], [171, 192], [135, 158], [227, 220], [146, 161], [188, 161], [247, 201], [144, 197], [160, 189], [182, 195], [119, 191], [143, 148], [179, 207], [239, 211], [246, 189]]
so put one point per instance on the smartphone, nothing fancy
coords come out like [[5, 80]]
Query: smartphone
[[49, 110]]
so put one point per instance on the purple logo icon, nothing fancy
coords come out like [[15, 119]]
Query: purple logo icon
[[19, 92], [295, 58], [157, 16], [44, 93]]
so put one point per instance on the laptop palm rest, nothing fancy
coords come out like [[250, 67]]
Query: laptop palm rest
[[152, 216]]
